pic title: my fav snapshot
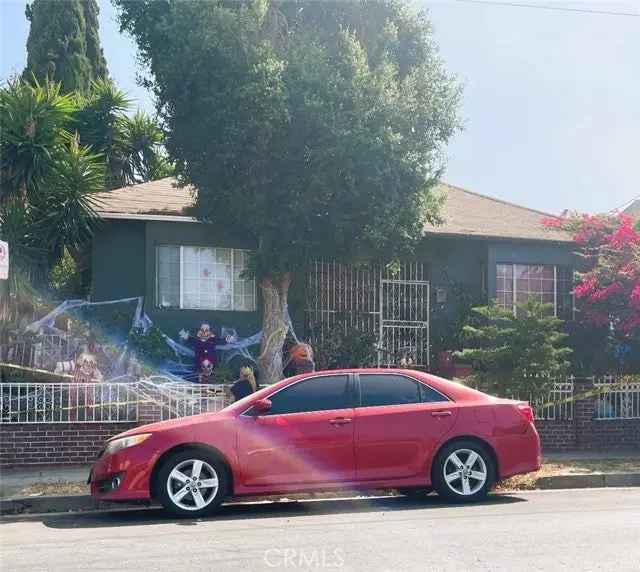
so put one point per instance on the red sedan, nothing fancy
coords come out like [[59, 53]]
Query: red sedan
[[359, 429]]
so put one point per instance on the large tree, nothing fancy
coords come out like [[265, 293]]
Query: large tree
[[64, 43], [317, 128]]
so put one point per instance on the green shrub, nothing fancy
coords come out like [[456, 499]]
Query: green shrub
[[515, 354]]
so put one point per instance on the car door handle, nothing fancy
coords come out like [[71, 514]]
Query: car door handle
[[340, 421], [440, 413]]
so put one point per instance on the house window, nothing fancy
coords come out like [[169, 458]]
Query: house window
[[203, 278], [546, 283]]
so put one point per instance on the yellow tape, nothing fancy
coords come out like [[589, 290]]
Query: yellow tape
[[623, 380]]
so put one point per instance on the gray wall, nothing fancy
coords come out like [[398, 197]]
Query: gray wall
[[118, 260], [124, 266]]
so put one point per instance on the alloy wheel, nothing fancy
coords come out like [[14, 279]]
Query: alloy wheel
[[465, 472], [192, 484]]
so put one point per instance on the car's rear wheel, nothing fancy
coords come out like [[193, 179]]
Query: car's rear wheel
[[463, 471], [192, 483]]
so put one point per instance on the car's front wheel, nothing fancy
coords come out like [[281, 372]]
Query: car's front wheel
[[463, 471], [192, 483]]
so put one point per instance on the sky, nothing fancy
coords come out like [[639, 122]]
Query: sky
[[551, 104]]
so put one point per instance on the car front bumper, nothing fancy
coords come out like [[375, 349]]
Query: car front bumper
[[131, 468]]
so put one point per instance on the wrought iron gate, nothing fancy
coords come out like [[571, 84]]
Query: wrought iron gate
[[404, 323], [391, 302]]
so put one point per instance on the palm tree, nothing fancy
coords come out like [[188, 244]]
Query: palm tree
[[131, 145], [33, 125]]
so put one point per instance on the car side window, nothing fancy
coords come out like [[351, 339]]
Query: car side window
[[320, 393], [388, 389], [429, 395]]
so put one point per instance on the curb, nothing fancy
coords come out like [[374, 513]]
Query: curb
[[601, 480], [58, 503], [81, 503]]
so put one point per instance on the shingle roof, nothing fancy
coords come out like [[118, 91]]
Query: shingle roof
[[465, 213], [160, 197]]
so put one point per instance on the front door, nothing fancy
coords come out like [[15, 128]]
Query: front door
[[398, 425], [306, 437]]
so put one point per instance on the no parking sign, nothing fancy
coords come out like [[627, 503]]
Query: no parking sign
[[4, 260]]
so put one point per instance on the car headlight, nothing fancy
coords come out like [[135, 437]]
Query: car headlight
[[118, 444]]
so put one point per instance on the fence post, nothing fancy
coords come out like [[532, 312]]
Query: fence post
[[149, 409], [584, 413]]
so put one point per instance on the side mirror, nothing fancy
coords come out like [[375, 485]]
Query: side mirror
[[262, 406]]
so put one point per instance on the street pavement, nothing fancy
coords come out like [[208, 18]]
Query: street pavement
[[592, 529]]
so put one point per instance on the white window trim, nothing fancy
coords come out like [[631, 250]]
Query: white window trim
[[181, 279], [555, 285]]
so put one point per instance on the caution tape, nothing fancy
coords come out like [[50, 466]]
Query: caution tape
[[603, 389]]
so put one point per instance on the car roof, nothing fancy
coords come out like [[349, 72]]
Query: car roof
[[452, 389]]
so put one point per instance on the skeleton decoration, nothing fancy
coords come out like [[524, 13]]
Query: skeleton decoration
[[206, 372], [204, 345], [86, 370]]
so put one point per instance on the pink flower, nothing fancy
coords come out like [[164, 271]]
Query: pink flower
[[553, 222], [604, 293], [586, 287], [625, 235]]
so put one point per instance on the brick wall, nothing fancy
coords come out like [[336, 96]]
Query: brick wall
[[54, 443], [584, 432], [557, 435]]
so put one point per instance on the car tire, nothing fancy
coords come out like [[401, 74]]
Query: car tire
[[463, 471], [183, 495], [416, 493]]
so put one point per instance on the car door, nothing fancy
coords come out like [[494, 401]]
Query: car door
[[398, 423], [306, 437]]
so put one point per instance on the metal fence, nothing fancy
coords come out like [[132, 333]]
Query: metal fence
[[105, 402], [143, 401], [617, 398], [557, 405]]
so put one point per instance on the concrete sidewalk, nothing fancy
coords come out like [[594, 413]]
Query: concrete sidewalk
[[14, 479]]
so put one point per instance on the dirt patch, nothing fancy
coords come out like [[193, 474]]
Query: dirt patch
[[579, 467], [54, 489]]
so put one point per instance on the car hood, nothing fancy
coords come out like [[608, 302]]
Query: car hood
[[171, 424]]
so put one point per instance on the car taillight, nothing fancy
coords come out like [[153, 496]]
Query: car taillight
[[526, 411]]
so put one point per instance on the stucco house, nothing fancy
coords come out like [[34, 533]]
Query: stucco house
[[187, 271]]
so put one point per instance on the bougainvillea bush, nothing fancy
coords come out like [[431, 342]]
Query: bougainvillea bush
[[607, 292]]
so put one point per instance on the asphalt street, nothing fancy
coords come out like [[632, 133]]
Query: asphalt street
[[593, 529]]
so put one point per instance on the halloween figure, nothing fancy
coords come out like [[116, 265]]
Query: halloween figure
[[80, 396], [246, 385], [204, 345], [301, 358]]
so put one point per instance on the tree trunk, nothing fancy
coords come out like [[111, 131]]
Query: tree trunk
[[275, 325]]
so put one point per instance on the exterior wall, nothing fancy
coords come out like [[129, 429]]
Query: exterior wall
[[124, 265], [118, 260], [54, 443]]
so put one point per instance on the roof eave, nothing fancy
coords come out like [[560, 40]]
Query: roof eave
[[148, 217]]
